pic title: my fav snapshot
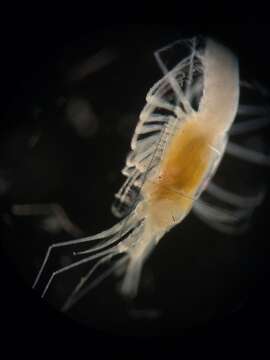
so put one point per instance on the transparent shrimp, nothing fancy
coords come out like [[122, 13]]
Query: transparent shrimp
[[177, 146]]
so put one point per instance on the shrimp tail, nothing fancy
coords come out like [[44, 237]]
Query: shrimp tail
[[144, 241], [133, 241]]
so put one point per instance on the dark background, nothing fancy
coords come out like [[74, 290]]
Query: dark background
[[32, 51]]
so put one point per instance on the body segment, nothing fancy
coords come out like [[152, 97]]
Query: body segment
[[198, 143]]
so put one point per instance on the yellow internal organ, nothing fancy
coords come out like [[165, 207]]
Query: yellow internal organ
[[185, 164]]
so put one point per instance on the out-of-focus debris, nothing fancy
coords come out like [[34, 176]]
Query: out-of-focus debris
[[92, 64], [148, 314], [36, 112], [7, 219], [82, 117], [34, 139], [4, 185], [60, 101], [65, 260], [56, 218]]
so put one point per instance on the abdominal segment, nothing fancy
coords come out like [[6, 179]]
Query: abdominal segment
[[185, 165]]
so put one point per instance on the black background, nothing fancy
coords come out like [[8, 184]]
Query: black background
[[28, 45]]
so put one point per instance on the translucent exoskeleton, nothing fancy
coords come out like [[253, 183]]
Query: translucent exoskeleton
[[221, 207], [177, 146]]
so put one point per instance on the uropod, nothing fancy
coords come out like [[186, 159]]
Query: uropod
[[176, 148]]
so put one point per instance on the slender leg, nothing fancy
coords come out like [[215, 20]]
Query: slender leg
[[248, 155], [106, 243], [258, 117], [250, 125], [84, 279], [125, 248], [223, 228], [110, 232], [252, 110], [94, 283], [76, 264], [234, 199], [181, 97], [221, 215]]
